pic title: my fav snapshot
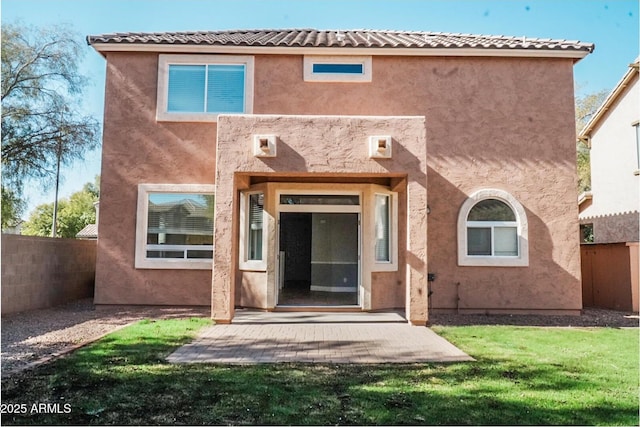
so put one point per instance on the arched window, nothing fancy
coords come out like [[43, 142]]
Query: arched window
[[492, 231]]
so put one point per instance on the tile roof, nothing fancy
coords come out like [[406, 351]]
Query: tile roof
[[309, 38], [90, 231]]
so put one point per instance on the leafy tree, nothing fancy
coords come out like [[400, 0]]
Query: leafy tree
[[74, 214], [41, 90], [40, 220], [586, 106], [12, 208]]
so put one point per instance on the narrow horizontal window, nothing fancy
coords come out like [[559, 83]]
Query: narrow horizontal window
[[316, 199], [338, 68]]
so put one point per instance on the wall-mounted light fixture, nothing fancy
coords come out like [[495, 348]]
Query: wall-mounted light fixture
[[380, 147], [264, 145]]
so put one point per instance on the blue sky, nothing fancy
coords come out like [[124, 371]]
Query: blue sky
[[612, 25]]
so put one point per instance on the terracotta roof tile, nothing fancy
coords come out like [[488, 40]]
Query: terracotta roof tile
[[339, 38]]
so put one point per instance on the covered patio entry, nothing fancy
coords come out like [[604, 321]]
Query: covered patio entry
[[320, 212]]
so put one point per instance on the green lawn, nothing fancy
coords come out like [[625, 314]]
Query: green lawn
[[521, 376]]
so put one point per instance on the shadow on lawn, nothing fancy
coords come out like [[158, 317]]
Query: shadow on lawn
[[115, 383]]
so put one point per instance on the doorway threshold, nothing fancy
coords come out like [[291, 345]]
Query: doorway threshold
[[320, 308], [252, 316]]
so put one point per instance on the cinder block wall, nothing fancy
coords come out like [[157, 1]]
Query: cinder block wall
[[40, 272]]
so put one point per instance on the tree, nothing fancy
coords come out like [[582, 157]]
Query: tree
[[12, 208], [586, 106], [41, 90], [74, 214]]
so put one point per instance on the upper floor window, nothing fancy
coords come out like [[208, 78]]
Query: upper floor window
[[337, 68], [492, 231], [199, 87]]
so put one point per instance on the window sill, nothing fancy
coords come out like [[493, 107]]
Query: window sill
[[171, 264], [189, 117], [258, 266], [467, 261]]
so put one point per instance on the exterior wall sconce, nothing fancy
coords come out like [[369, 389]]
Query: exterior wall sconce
[[264, 145], [380, 147]]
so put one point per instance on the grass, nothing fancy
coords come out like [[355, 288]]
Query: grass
[[521, 376]]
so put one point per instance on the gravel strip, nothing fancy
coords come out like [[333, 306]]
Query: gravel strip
[[37, 335], [32, 336], [590, 317]]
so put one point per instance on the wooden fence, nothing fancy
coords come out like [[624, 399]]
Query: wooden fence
[[610, 276]]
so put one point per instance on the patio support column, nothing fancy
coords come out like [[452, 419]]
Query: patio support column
[[225, 245], [416, 256]]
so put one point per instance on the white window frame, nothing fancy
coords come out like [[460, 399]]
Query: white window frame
[[164, 61], [142, 218], [522, 230], [244, 262], [392, 264], [365, 61], [636, 125]]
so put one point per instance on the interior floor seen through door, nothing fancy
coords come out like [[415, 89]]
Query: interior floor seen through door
[[319, 255]]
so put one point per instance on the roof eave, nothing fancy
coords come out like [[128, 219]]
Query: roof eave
[[631, 73], [288, 50]]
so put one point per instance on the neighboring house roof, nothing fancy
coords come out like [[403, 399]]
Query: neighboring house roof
[[90, 231], [192, 207], [613, 97], [583, 200], [401, 42]]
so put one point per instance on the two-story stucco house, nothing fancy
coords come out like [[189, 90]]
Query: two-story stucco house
[[611, 210], [339, 170], [612, 206]]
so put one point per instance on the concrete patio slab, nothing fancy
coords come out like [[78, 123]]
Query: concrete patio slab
[[310, 337]]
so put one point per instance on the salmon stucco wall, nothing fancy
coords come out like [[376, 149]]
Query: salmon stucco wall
[[138, 149], [504, 123]]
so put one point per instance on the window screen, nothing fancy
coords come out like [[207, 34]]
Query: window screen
[[180, 225], [213, 88], [186, 88], [225, 89], [338, 68]]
